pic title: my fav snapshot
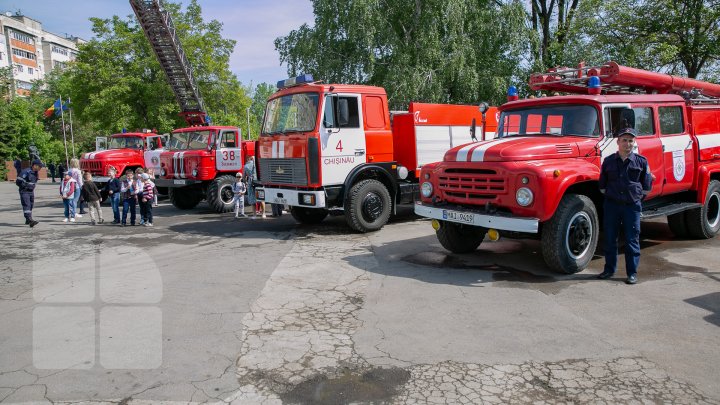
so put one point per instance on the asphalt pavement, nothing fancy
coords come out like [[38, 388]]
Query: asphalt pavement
[[204, 307]]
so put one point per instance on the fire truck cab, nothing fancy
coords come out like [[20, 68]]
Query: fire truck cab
[[127, 150], [540, 176], [332, 147], [200, 163]]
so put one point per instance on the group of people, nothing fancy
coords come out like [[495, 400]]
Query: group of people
[[245, 185], [135, 188]]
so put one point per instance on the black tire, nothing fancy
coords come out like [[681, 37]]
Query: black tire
[[184, 198], [368, 206], [220, 195], [677, 225], [459, 238], [570, 237], [704, 222], [163, 190], [308, 216]]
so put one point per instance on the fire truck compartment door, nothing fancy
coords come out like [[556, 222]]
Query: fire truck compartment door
[[342, 137], [228, 155]]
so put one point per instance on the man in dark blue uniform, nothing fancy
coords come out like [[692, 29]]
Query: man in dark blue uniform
[[26, 183], [625, 179]]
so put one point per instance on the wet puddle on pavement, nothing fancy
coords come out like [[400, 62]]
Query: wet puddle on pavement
[[379, 384]]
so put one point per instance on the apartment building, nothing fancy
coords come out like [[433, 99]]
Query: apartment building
[[31, 51]]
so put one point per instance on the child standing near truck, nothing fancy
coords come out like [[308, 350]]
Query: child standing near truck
[[239, 189], [147, 198], [92, 197]]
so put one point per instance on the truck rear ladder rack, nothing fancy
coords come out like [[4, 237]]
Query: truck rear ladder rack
[[616, 79]]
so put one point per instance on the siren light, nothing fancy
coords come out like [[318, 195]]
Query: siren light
[[594, 87], [294, 81], [512, 93]]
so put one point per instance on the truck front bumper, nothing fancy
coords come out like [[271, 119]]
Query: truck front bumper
[[170, 183], [293, 198], [100, 179], [462, 215]]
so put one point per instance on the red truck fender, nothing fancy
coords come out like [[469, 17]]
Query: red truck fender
[[706, 172]]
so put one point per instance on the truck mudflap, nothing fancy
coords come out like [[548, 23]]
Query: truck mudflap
[[462, 215], [293, 198], [175, 182]]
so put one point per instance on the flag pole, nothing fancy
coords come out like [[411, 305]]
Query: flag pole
[[67, 161], [72, 136]]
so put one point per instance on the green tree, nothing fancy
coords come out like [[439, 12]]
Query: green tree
[[449, 51], [20, 127], [679, 36], [117, 82], [260, 95]]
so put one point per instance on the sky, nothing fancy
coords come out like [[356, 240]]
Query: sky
[[254, 24]]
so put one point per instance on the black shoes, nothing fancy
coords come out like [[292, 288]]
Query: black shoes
[[33, 223], [605, 275], [631, 279]]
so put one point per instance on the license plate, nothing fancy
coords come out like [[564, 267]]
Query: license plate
[[179, 182], [458, 217], [279, 200]]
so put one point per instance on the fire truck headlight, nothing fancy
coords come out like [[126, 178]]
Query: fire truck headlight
[[402, 172], [260, 194], [307, 199], [426, 189], [195, 172], [524, 196]]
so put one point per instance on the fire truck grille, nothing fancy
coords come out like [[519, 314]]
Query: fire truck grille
[[283, 171], [471, 184], [92, 166]]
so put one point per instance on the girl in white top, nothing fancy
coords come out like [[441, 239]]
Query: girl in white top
[[76, 174]]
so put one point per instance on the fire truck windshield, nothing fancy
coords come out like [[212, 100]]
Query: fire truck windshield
[[125, 142], [291, 113], [555, 120], [189, 140]]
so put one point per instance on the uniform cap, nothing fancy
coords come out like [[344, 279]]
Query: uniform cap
[[627, 131]]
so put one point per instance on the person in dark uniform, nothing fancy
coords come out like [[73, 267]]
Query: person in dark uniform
[[51, 168], [26, 183], [625, 180]]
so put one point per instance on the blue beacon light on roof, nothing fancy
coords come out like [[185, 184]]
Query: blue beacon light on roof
[[512, 93], [293, 81], [594, 86]]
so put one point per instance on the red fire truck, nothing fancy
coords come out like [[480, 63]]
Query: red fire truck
[[331, 147], [127, 150], [540, 175], [200, 161]]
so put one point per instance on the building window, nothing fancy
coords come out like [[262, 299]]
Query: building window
[[59, 65], [30, 70], [60, 50], [23, 54], [18, 68], [23, 37], [23, 85]]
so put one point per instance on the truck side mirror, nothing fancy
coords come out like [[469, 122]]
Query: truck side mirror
[[343, 112]]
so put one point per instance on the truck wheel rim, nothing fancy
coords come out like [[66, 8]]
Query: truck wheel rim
[[713, 210], [226, 194], [372, 207], [578, 235]]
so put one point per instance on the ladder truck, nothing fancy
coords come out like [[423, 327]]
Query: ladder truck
[[539, 177], [199, 161]]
